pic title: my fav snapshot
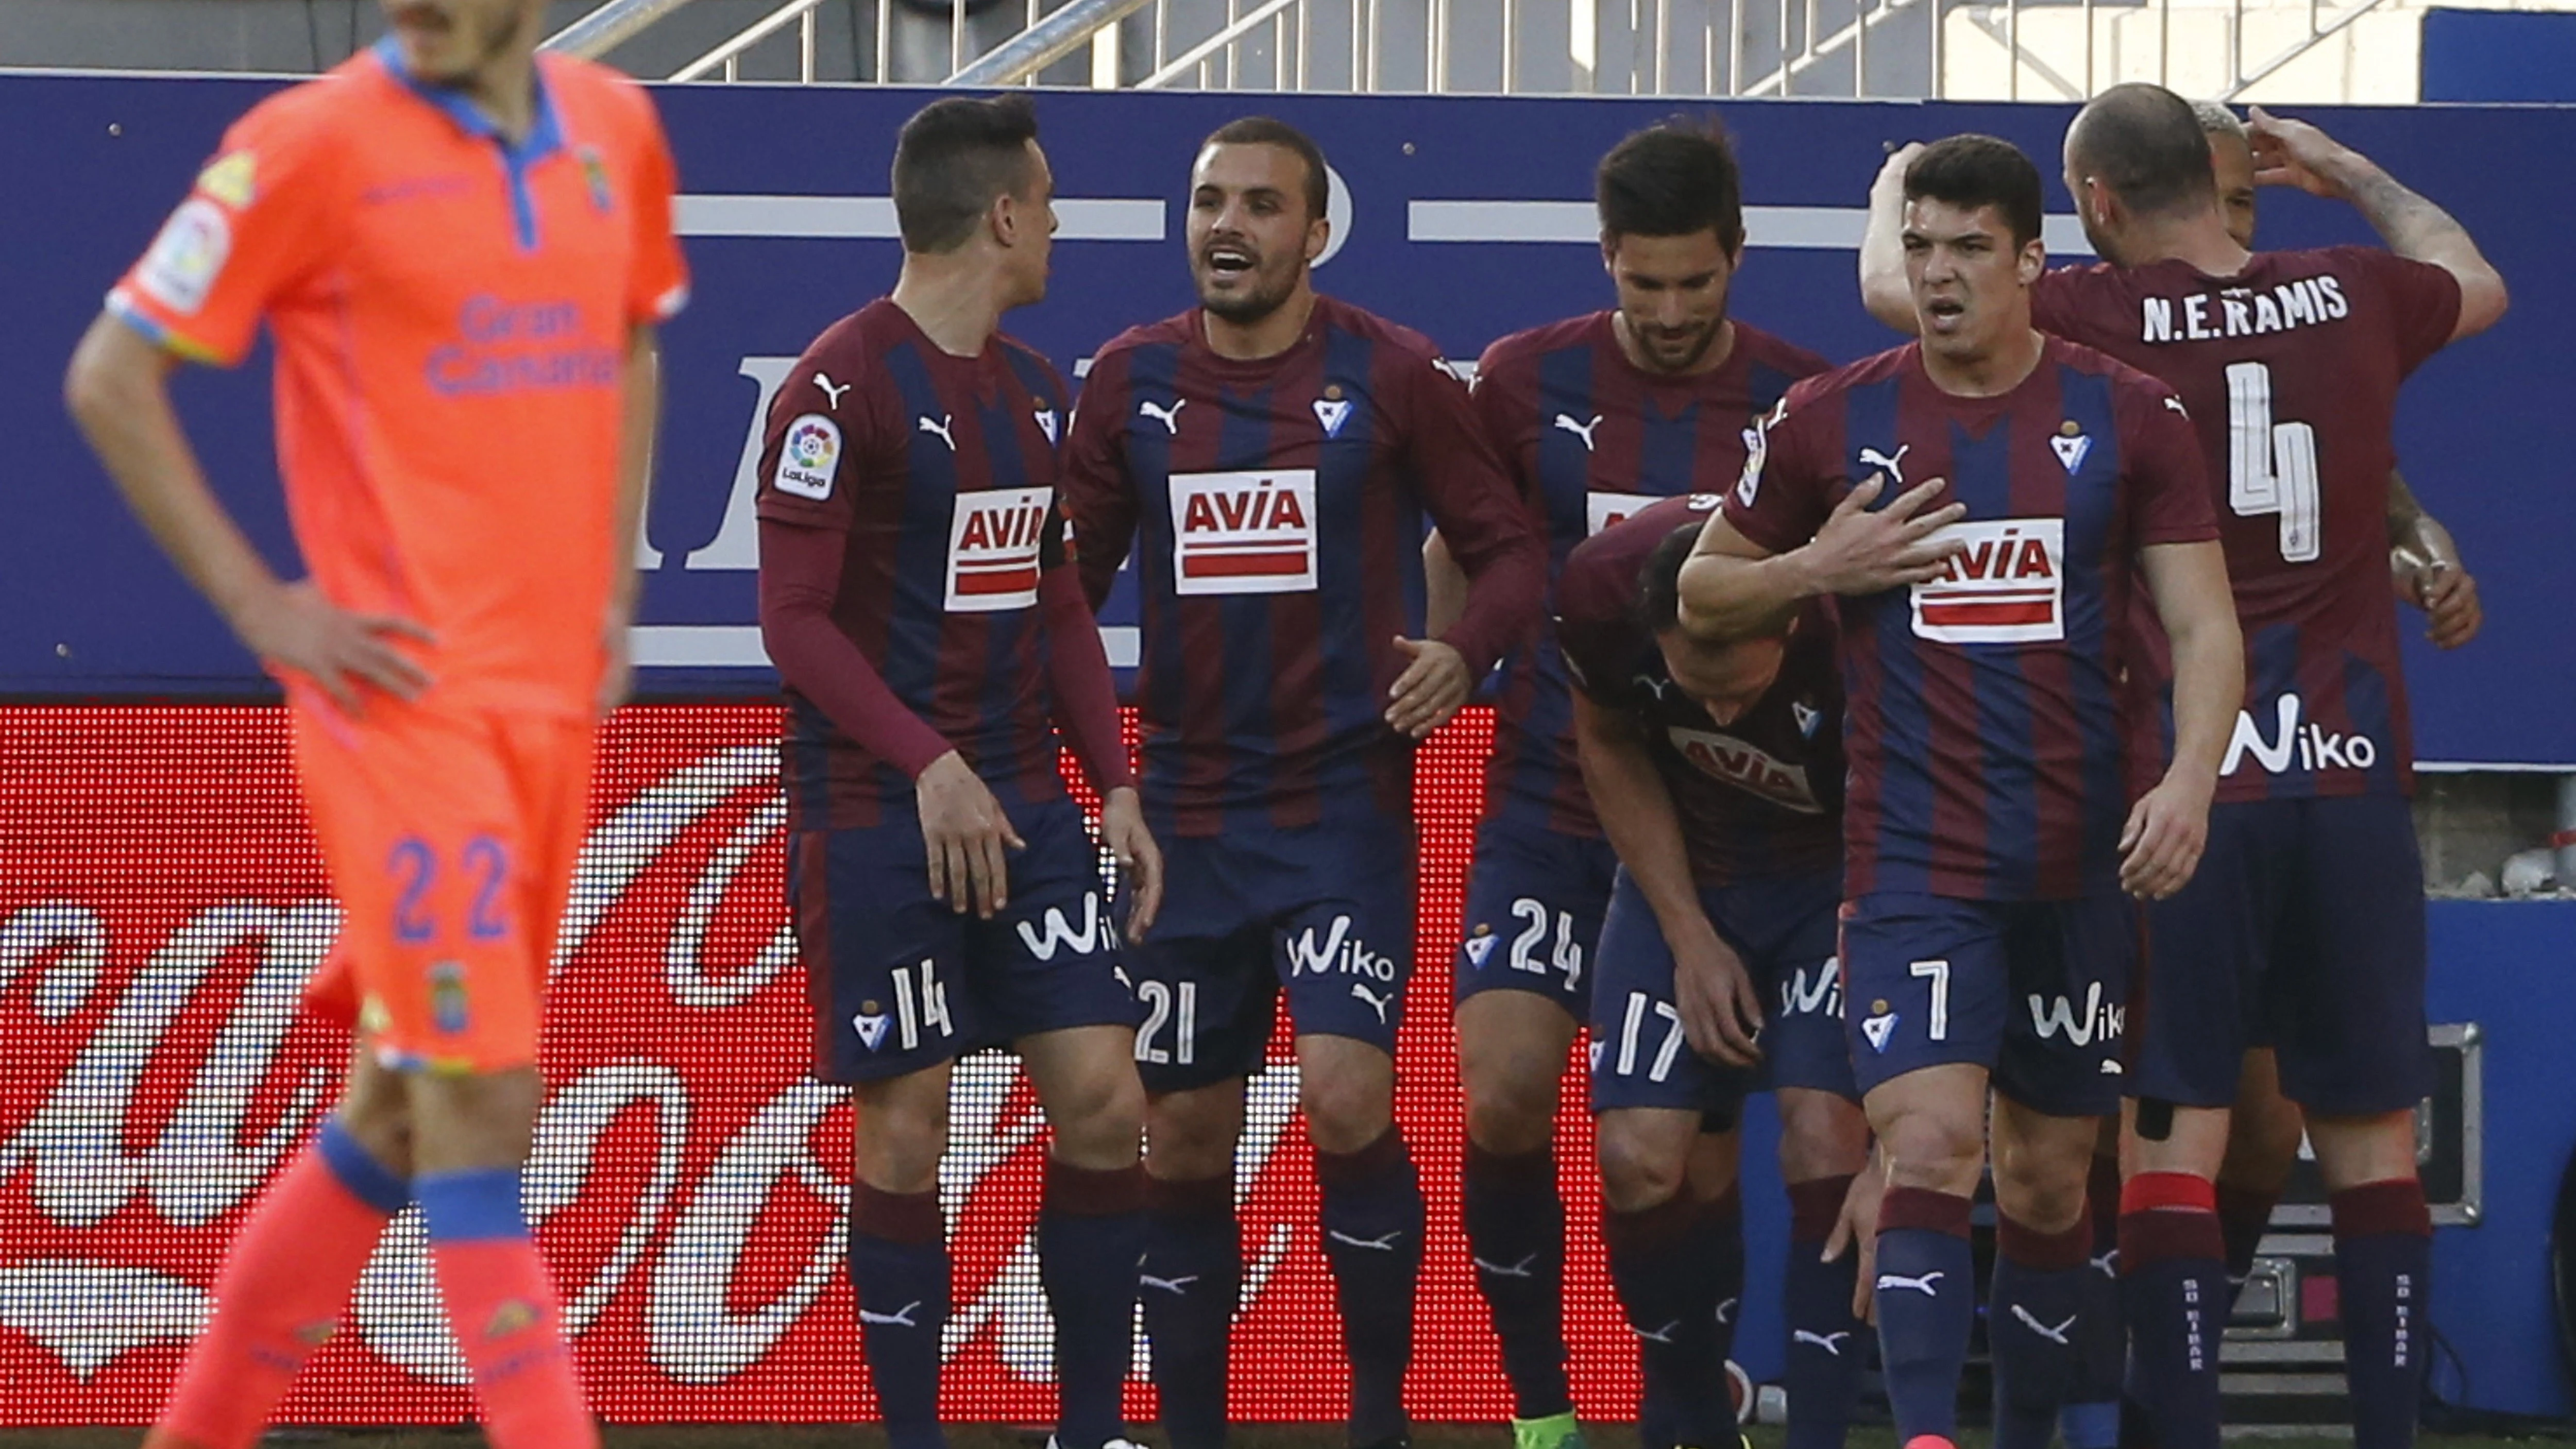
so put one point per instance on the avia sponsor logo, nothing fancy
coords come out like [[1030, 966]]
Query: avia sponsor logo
[[993, 539], [2243, 311], [1244, 533], [1602, 510], [1336, 951], [2306, 746], [502, 346], [2096, 1021], [1746, 766], [2007, 585]]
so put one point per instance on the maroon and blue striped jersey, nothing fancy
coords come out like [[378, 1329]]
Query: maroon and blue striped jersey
[[1759, 795], [1276, 510], [1983, 723], [942, 472], [2291, 370], [1591, 437]]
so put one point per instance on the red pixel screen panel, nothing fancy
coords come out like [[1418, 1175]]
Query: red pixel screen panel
[[161, 901]]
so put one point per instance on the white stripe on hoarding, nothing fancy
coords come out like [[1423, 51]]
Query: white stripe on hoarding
[[737, 646]]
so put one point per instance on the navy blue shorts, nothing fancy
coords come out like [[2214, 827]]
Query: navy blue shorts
[[1784, 930], [2035, 992], [1535, 899], [2303, 930], [900, 981], [1323, 913]]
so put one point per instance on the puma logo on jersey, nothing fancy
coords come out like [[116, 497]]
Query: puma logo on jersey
[[938, 429], [1376, 1002], [1889, 1282], [1831, 1343], [901, 1318], [2175, 403], [2055, 1335], [831, 391], [994, 538], [1566, 422], [1383, 1243], [1169, 417], [1244, 533], [1892, 464], [2108, 1264], [2005, 585]]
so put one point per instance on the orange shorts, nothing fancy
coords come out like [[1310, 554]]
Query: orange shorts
[[451, 838]]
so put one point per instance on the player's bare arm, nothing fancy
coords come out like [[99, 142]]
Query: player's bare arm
[[2424, 564], [2169, 826], [118, 390], [1882, 245], [1733, 588], [1720, 1010], [641, 421], [1445, 586], [2294, 153]]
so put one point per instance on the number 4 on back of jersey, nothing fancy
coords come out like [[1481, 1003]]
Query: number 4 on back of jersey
[[2271, 467]]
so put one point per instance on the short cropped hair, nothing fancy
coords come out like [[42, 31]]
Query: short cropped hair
[[1674, 179], [1976, 171], [2147, 145], [952, 159], [1270, 131], [2216, 119]]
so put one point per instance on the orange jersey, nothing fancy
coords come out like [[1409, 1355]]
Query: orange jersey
[[452, 315]]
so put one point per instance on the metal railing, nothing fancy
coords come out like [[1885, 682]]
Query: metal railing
[[1998, 49]]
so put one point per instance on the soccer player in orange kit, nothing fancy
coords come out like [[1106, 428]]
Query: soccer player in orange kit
[[461, 250]]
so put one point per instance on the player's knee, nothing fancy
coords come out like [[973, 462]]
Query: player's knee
[[1190, 1136], [1343, 1114], [2045, 1194], [1099, 1119], [900, 1136], [466, 1122], [1638, 1170], [1931, 1149], [1821, 1135], [1511, 1103], [2352, 1151]]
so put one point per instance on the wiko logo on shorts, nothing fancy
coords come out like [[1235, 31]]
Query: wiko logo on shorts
[[2098, 1020], [1095, 935], [1338, 951]]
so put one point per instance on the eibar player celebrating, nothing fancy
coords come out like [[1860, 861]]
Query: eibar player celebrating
[[462, 251], [1270, 457], [1991, 841], [918, 596], [1596, 416]]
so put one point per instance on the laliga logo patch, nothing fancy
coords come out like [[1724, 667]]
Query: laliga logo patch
[[1757, 447], [187, 256], [993, 539], [1332, 410], [2006, 586], [1244, 533], [2070, 445], [1605, 510], [808, 458]]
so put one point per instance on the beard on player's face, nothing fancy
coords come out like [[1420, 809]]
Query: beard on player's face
[[1240, 279], [448, 42], [1672, 295]]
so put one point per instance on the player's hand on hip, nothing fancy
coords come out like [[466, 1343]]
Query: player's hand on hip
[[2294, 153], [1140, 860], [295, 630], [965, 834], [1864, 551], [1857, 1229], [2449, 598], [1430, 689], [1721, 1012], [2167, 829]]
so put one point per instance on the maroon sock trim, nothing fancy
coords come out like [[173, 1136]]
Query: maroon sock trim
[[2394, 1205], [1815, 1206], [1190, 1197], [1344, 1169], [2163, 1235], [2058, 1252], [1653, 1229], [1921, 1207], [1529, 1170], [896, 1217], [1088, 1192]]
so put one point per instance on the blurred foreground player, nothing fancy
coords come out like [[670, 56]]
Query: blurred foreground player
[[462, 251], [1270, 456], [1718, 771], [1991, 843], [918, 596], [1595, 417]]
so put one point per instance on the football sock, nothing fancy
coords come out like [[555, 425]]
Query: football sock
[[1666, 1281], [2091, 1418], [279, 1295], [2034, 1327], [1515, 1223], [1826, 1343], [2383, 1253], [2173, 1291], [1091, 1244], [501, 1304], [1927, 1303], [1372, 1221], [1720, 1237], [899, 1268], [1192, 1276]]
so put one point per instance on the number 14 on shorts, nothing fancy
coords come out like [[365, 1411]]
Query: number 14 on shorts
[[920, 1003]]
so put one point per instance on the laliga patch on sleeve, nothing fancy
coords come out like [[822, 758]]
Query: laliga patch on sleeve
[[809, 457], [187, 256], [1757, 450]]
